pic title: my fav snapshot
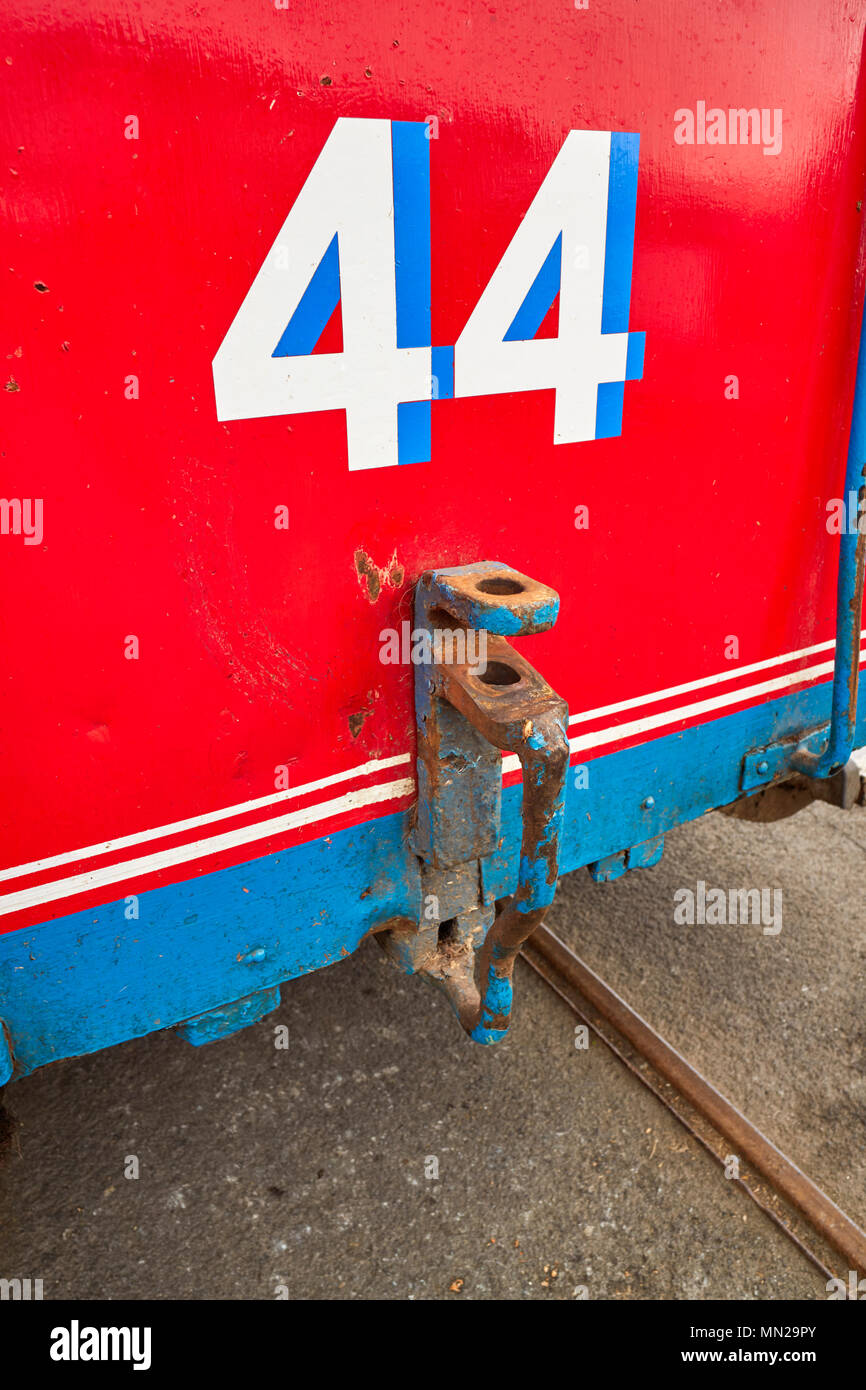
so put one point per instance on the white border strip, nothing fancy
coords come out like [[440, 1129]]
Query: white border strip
[[141, 837], [615, 732], [353, 800], [197, 849], [705, 681], [698, 707]]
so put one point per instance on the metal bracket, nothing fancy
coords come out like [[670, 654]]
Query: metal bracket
[[777, 761], [774, 775], [782, 792], [475, 696], [231, 1018], [642, 856]]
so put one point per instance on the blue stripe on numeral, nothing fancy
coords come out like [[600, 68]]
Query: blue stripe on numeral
[[413, 432], [635, 356], [443, 373], [410, 150], [616, 293], [619, 236], [542, 292], [411, 162], [608, 411], [316, 306]]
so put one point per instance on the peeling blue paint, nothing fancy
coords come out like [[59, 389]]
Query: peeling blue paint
[[498, 1000]]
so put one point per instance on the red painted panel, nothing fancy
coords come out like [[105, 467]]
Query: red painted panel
[[259, 647]]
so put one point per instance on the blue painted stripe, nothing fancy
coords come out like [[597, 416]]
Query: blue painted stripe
[[413, 432], [616, 294], [411, 162], [619, 236], [542, 292], [317, 304], [608, 411], [443, 373], [635, 356]]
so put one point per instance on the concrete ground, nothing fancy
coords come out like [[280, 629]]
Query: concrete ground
[[381, 1155]]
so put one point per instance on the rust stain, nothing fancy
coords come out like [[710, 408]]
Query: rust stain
[[375, 577], [369, 572], [356, 721]]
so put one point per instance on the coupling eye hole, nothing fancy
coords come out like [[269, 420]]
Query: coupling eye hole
[[500, 673], [499, 584]]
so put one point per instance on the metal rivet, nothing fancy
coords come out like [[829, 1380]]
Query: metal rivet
[[649, 803], [763, 766], [258, 954]]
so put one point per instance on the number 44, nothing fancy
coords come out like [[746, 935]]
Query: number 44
[[359, 234]]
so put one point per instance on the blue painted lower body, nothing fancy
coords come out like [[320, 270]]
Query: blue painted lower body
[[92, 979]]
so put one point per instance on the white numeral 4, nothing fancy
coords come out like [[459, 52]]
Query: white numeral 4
[[348, 194]]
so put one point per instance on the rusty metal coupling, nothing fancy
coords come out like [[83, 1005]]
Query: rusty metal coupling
[[466, 714]]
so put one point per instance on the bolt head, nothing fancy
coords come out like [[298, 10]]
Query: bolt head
[[763, 766], [649, 803]]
